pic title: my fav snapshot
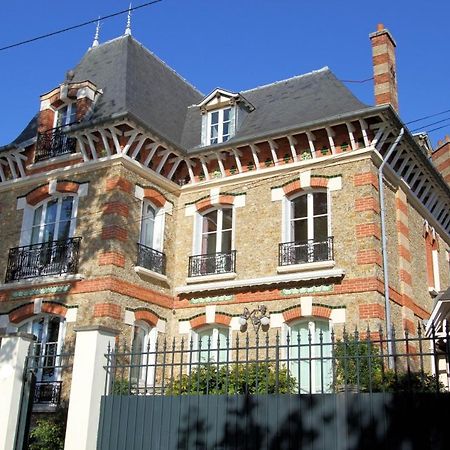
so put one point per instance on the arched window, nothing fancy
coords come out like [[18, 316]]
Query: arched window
[[211, 344], [310, 355], [54, 219], [143, 351], [49, 332], [148, 224]]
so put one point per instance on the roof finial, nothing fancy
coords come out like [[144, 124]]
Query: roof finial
[[95, 43], [128, 28]]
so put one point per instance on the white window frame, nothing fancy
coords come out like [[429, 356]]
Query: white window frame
[[287, 232], [315, 349], [436, 275], [195, 338], [158, 226], [198, 229], [28, 217], [220, 124], [28, 323], [70, 106], [147, 370]]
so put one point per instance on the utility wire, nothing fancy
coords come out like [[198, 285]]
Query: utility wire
[[430, 124], [63, 30]]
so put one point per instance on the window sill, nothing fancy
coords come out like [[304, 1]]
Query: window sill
[[147, 273], [306, 267], [38, 281], [208, 278], [56, 159]]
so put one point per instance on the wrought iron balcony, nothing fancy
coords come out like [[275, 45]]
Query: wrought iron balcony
[[212, 264], [47, 393], [52, 143], [302, 252], [151, 259], [48, 258]]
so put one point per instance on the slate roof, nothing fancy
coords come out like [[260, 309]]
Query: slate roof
[[136, 82]]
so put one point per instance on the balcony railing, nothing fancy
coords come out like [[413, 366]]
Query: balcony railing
[[302, 252], [151, 259], [48, 258], [212, 264], [47, 393], [52, 143]]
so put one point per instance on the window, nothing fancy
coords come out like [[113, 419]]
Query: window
[[66, 115], [432, 259], [212, 344], [220, 124], [307, 232], [217, 227], [310, 355], [144, 339], [54, 220], [49, 332], [148, 224]]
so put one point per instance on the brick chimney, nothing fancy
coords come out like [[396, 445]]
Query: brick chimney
[[441, 158], [384, 67]]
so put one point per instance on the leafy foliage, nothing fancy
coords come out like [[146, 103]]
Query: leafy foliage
[[48, 434], [243, 378]]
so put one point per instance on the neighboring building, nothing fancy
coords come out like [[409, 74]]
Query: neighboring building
[[134, 201]]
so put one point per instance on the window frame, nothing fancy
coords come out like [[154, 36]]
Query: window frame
[[70, 106], [195, 338], [287, 231], [220, 125], [146, 376], [158, 226]]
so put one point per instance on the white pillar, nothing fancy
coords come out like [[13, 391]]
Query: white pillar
[[13, 351], [88, 385]]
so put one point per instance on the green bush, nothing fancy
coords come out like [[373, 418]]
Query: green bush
[[243, 378], [121, 386], [48, 434]]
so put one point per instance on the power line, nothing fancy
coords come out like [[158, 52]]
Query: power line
[[63, 30], [427, 117], [357, 81], [430, 124]]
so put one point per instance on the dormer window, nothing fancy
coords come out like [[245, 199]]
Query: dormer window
[[220, 124], [66, 115]]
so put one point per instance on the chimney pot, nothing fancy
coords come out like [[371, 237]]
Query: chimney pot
[[380, 27]]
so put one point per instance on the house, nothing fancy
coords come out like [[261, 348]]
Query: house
[[134, 201]]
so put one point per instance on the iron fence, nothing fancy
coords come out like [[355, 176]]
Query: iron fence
[[301, 252], [299, 362], [52, 143], [48, 258], [151, 259], [50, 364], [212, 264]]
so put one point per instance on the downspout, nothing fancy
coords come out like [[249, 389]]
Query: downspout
[[387, 303]]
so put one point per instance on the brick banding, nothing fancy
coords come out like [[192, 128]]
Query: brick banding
[[111, 258], [110, 310], [114, 232], [119, 183]]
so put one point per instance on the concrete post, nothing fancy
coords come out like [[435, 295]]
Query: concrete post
[[13, 351], [88, 384]]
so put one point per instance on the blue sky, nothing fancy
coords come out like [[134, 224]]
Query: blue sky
[[237, 45]]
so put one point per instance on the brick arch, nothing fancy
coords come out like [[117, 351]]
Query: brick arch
[[41, 193], [318, 311], [155, 197], [206, 203], [219, 319], [292, 314], [146, 316], [26, 311], [294, 187]]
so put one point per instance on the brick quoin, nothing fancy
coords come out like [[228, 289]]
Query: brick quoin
[[405, 276], [222, 319], [368, 256], [401, 206], [107, 310], [118, 208], [321, 311], [119, 183], [404, 253], [198, 322], [111, 258], [292, 314], [368, 230], [409, 326], [114, 232], [367, 204], [155, 197], [366, 178], [26, 311], [146, 316], [402, 229], [371, 311]]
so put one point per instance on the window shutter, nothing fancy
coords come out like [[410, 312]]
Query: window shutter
[[204, 129]]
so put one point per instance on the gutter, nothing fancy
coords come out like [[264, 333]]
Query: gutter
[[387, 302]]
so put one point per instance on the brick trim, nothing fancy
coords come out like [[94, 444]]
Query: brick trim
[[119, 208], [371, 311], [366, 179], [114, 232], [369, 229], [367, 204], [111, 258], [110, 310], [198, 322], [321, 311], [368, 256], [42, 192], [147, 317], [26, 311], [155, 197], [292, 188], [292, 314], [206, 203], [222, 319], [120, 183]]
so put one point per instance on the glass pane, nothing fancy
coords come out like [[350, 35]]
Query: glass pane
[[226, 114], [299, 353], [300, 207], [62, 116], [227, 219], [320, 203], [225, 138], [210, 222], [36, 225], [37, 329], [64, 230], [214, 117], [320, 228], [205, 345], [53, 329], [300, 230], [226, 129], [214, 134], [73, 113], [147, 226], [323, 367], [209, 243], [223, 337], [226, 242], [65, 218]]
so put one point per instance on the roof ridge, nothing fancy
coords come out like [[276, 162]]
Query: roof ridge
[[322, 69]]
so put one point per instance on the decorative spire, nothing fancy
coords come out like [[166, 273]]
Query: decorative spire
[[95, 43], [128, 28]]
